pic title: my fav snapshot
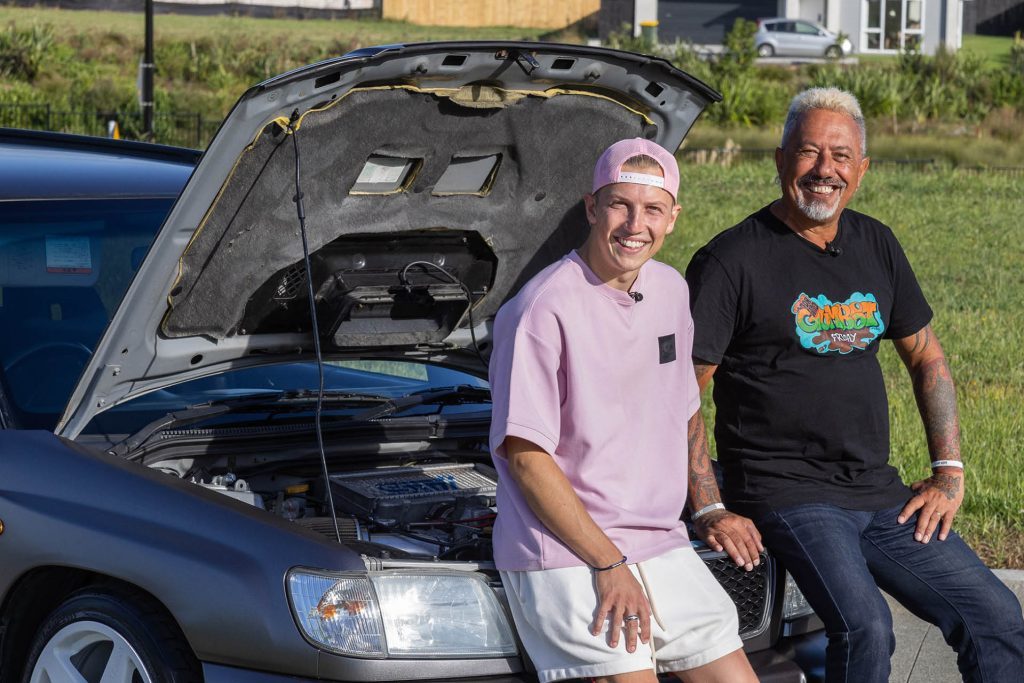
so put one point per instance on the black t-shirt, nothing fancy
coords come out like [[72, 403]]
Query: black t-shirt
[[802, 414]]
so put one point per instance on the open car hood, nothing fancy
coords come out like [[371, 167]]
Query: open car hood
[[467, 157]]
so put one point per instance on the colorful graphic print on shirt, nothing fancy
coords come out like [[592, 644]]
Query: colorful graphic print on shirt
[[826, 326]]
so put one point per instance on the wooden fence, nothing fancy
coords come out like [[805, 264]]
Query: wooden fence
[[477, 13]]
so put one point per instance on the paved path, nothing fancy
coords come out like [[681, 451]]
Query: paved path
[[921, 654]]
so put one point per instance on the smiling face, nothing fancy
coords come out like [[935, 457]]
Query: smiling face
[[628, 224], [820, 168]]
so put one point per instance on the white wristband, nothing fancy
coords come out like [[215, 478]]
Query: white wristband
[[706, 509], [947, 463]]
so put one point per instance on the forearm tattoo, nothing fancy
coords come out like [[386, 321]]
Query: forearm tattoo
[[946, 484], [703, 487], [704, 373], [936, 399]]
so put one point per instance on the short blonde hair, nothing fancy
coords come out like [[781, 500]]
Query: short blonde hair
[[830, 99]]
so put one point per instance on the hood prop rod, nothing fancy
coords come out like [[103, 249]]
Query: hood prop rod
[[313, 319]]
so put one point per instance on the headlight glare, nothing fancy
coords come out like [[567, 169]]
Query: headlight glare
[[441, 615], [794, 604], [401, 614], [339, 613]]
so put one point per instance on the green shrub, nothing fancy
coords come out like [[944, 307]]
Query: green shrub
[[740, 52], [1017, 55], [23, 51]]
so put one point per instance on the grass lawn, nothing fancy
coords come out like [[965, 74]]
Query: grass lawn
[[962, 234], [950, 144], [184, 27], [995, 49]]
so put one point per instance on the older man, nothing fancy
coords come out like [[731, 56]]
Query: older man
[[587, 358], [790, 307]]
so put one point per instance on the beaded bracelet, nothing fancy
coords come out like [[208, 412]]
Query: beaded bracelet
[[706, 509], [947, 463], [613, 565]]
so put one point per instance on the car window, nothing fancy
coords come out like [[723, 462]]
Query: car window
[[64, 266], [390, 378], [802, 27]]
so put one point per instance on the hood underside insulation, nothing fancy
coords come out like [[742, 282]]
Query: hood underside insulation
[[529, 213]]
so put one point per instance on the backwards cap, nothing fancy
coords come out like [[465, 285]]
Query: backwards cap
[[609, 167]]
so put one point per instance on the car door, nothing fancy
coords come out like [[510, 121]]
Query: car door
[[786, 37], [808, 39]]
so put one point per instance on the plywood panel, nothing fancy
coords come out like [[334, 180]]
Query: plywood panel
[[476, 13]]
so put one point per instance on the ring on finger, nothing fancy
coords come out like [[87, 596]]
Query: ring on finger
[[631, 617]]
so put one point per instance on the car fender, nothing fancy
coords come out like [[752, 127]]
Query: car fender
[[198, 552]]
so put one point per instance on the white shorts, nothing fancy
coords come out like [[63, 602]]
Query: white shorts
[[694, 620]]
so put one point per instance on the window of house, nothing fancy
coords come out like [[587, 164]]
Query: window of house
[[892, 25]]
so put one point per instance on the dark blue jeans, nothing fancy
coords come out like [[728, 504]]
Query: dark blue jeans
[[840, 558]]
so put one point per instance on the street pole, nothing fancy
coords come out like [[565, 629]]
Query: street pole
[[147, 75]]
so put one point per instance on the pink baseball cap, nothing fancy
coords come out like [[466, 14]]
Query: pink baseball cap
[[609, 167]]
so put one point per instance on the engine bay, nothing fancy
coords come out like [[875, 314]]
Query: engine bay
[[436, 510]]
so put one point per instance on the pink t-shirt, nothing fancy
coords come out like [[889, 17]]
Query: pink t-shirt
[[605, 385]]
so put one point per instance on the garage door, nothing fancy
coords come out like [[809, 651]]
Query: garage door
[[706, 23]]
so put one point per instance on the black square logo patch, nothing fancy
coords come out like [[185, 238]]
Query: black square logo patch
[[666, 348]]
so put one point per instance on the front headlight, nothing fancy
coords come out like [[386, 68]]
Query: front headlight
[[400, 614], [794, 604]]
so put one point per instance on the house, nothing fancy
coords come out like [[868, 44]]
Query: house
[[887, 26], [873, 26]]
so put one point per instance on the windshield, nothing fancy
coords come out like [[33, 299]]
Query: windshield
[[374, 379], [64, 266]]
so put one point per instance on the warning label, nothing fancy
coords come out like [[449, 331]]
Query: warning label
[[68, 255]]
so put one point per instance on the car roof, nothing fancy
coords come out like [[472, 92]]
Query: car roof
[[776, 20], [45, 165]]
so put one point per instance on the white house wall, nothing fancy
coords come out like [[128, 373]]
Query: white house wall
[[846, 15]]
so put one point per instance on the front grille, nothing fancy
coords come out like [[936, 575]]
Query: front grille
[[750, 591]]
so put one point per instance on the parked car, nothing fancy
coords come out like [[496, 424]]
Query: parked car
[[203, 477], [798, 38]]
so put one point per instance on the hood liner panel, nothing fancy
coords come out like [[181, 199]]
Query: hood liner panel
[[532, 215]]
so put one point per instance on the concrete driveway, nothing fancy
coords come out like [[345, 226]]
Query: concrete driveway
[[922, 656]]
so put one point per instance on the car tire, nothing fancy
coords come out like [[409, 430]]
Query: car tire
[[111, 632], [765, 50], [833, 52]]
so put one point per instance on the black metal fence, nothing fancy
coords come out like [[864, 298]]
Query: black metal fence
[[184, 129]]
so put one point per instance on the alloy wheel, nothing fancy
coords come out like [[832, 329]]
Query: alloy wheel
[[89, 652]]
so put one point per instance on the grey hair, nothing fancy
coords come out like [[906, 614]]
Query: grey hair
[[830, 99]]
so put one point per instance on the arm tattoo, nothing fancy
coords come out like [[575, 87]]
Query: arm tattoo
[[946, 484], [704, 373], [922, 339], [936, 400], [702, 484]]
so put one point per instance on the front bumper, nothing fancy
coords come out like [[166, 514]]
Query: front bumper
[[799, 659], [216, 673]]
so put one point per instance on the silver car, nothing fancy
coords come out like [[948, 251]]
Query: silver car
[[798, 38]]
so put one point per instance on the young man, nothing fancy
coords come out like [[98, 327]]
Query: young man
[[791, 306], [591, 359]]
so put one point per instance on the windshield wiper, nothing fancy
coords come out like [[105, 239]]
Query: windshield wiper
[[460, 393], [272, 402]]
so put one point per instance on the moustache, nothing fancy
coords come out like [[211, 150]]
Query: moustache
[[816, 180]]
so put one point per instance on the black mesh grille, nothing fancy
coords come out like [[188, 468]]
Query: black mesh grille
[[749, 590], [293, 279]]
